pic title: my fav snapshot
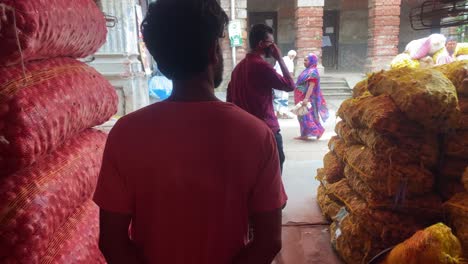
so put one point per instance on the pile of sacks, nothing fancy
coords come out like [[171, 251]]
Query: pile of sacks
[[378, 180], [427, 52], [50, 155], [456, 210], [454, 152]]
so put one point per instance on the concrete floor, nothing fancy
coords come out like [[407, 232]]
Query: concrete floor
[[305, 232]]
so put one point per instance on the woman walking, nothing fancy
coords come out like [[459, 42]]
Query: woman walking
[[308, 91]]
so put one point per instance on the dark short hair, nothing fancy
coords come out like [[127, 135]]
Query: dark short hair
[[451, 39], [179, 34], [258, 33]]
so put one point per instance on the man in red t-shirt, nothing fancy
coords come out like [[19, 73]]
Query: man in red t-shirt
[[179, 171], [253, 80]]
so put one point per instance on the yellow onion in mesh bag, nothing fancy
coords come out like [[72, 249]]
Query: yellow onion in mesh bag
[[433, 245], [404, 60]]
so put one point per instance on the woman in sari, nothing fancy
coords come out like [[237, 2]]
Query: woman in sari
[[308, 91]]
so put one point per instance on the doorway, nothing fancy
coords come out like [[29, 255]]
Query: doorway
[[331, 24], [267, 18]]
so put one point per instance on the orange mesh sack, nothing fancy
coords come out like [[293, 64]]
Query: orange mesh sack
[[447, 188], [456, 72], [457, 144], [338, 146], [453, 168], [329, 207], [465, 179], [433, 245], [457, 212], [352, 242], [387, 222], [77, 241], [405, 149], [58, 99], [378, 113], [462, 122], [333, 167], [360, 89], [426, 96], [390, 179], [463, 103], [47, 29], [429, 204], [36, 201]]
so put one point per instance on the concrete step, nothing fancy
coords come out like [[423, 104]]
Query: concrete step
[[337, 96], [334, 87], [325, 82], [345, 91]]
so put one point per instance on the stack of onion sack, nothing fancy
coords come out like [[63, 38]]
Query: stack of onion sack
[[49, 154], [454, 157], [456, 210], [48, 29], [36, 201], [57, 99], [387, 152], [76, 240]]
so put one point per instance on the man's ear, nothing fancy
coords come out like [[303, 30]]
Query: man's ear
[[261, 44]]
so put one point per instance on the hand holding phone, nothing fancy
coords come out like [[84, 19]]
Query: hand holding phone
[[275, 51]]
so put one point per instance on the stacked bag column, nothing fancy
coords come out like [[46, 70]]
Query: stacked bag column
[[380, 187], [454, 158], [50, 155]]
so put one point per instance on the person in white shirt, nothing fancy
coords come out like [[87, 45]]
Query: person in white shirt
[[282, 98]]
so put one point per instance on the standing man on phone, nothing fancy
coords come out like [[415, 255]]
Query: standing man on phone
[[253, 80]]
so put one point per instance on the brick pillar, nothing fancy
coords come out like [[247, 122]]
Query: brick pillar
[[309, 30], [384, 29], [241, 14]]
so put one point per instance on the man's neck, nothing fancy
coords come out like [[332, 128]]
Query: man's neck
[[258, 53], [197, 89]]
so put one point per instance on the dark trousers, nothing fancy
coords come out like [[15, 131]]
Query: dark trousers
[[279, 144]]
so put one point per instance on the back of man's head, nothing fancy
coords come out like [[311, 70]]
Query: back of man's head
[[180, 33], [258, 33]]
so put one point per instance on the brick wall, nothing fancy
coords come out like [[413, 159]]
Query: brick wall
[[309, 31], [384, 28]]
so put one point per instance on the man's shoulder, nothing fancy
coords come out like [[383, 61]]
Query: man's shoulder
[[134, 121]]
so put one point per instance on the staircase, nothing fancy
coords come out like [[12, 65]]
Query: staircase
[[335, 87]]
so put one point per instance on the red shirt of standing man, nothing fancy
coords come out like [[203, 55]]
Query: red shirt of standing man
[[178, 170], [253, 80]]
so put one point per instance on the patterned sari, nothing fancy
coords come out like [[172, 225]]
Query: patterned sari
[[310, 123]]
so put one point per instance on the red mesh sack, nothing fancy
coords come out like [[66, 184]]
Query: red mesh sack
[[77, 241], [58, 99], [36, 201], [32, 30]]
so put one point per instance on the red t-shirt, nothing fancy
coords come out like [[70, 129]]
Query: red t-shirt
[[190, 174], [251, 88]]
